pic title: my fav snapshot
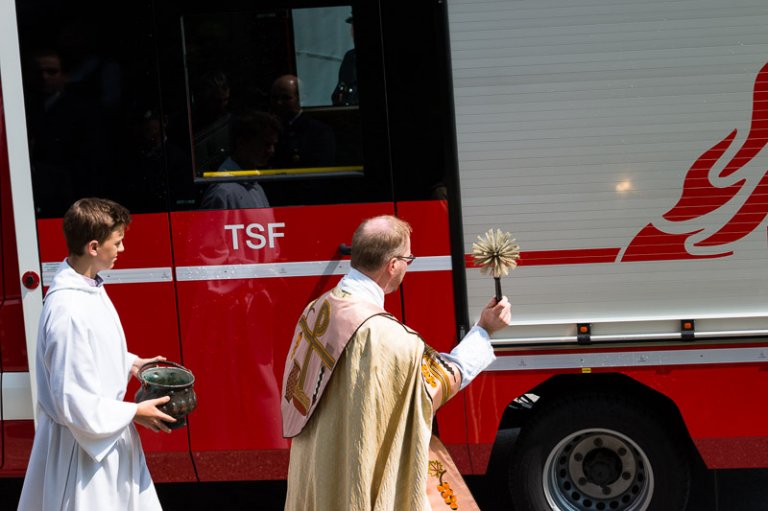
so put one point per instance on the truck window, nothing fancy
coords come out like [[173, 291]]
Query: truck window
[[95, 122], [274, 105], [172, 99]]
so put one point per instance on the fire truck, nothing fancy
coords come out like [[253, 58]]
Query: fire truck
[[621, 143]]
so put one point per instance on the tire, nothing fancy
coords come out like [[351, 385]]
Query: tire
[[598, 452]]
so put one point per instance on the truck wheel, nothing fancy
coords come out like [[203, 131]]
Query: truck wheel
[[598, 452]]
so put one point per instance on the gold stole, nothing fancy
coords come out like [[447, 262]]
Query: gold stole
[[446, 488]]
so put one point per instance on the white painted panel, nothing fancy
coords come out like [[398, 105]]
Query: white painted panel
[[17, 396], [21, 177], [577, 121]]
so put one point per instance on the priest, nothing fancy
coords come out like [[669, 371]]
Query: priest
[[87, 453], [360, 390]]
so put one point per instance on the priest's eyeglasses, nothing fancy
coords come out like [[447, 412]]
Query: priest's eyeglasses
[[408, 259]]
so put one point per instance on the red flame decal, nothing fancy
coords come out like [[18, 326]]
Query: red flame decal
[[700, 196]]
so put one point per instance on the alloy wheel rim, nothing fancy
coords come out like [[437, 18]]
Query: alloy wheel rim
[[598, 470]]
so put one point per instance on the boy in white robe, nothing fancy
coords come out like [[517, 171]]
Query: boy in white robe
[[87, 453]]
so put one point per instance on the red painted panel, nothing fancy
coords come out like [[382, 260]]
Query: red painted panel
[[151, 329], [429, 306], [9, 283], [18, 445], [309, 233], [429, 295], [724, 453], [429, 220], [242, 465], [12, 341], [236, 333], [13, 347], [488, 396], [147, 242], [556, 257], [171, 467], [717, 403], [164, 466]]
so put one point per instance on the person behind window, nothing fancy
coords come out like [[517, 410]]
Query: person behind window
[[211, 120], [304, 141], [345, 93], [63, 128], [254, 136], [91, 73], [148, 161]]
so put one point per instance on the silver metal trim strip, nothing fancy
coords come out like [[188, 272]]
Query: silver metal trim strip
[[116, 276], [302, 269], [242, 271], [260, 271], [630, 359], [138, 275], [571, 339]]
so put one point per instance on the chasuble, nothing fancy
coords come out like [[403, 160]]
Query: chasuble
[[359, 393]]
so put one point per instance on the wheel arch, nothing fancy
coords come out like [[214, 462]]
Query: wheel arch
[[565, 386]]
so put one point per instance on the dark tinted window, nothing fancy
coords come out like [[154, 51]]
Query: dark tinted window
[[274, 104], [140, 106], [94, 118]]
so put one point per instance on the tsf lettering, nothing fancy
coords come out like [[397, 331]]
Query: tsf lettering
[[256, 236]]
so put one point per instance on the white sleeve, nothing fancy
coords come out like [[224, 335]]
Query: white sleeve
[[473, 354]]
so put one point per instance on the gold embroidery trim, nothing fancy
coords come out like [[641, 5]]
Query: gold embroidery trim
[[294, 389], [432, 369], [437, 471]]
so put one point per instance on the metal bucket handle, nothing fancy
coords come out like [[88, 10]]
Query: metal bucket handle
[[157, 363]]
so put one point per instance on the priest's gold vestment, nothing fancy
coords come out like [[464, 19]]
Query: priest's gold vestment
[[364, 441]]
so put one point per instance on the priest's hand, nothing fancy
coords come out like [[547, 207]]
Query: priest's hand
[[138, 362], [149, 416], [495, 315]]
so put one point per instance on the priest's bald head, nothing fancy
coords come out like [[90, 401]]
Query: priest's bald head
[[381, 249]]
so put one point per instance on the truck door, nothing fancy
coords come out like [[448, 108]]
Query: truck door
[[286, 162], [248, 143], [95, 126], [243, 184]]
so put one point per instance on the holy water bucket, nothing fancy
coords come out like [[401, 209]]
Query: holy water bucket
[[164, 378]]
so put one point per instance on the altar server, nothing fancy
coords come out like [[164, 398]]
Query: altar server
[[87, 453]]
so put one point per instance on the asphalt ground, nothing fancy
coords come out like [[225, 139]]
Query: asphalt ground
[[722, 490], [712, 490]]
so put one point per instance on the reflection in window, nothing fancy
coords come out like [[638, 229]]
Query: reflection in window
[[284, 65]]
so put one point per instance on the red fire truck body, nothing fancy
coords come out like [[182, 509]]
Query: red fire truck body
[[624, 148]]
